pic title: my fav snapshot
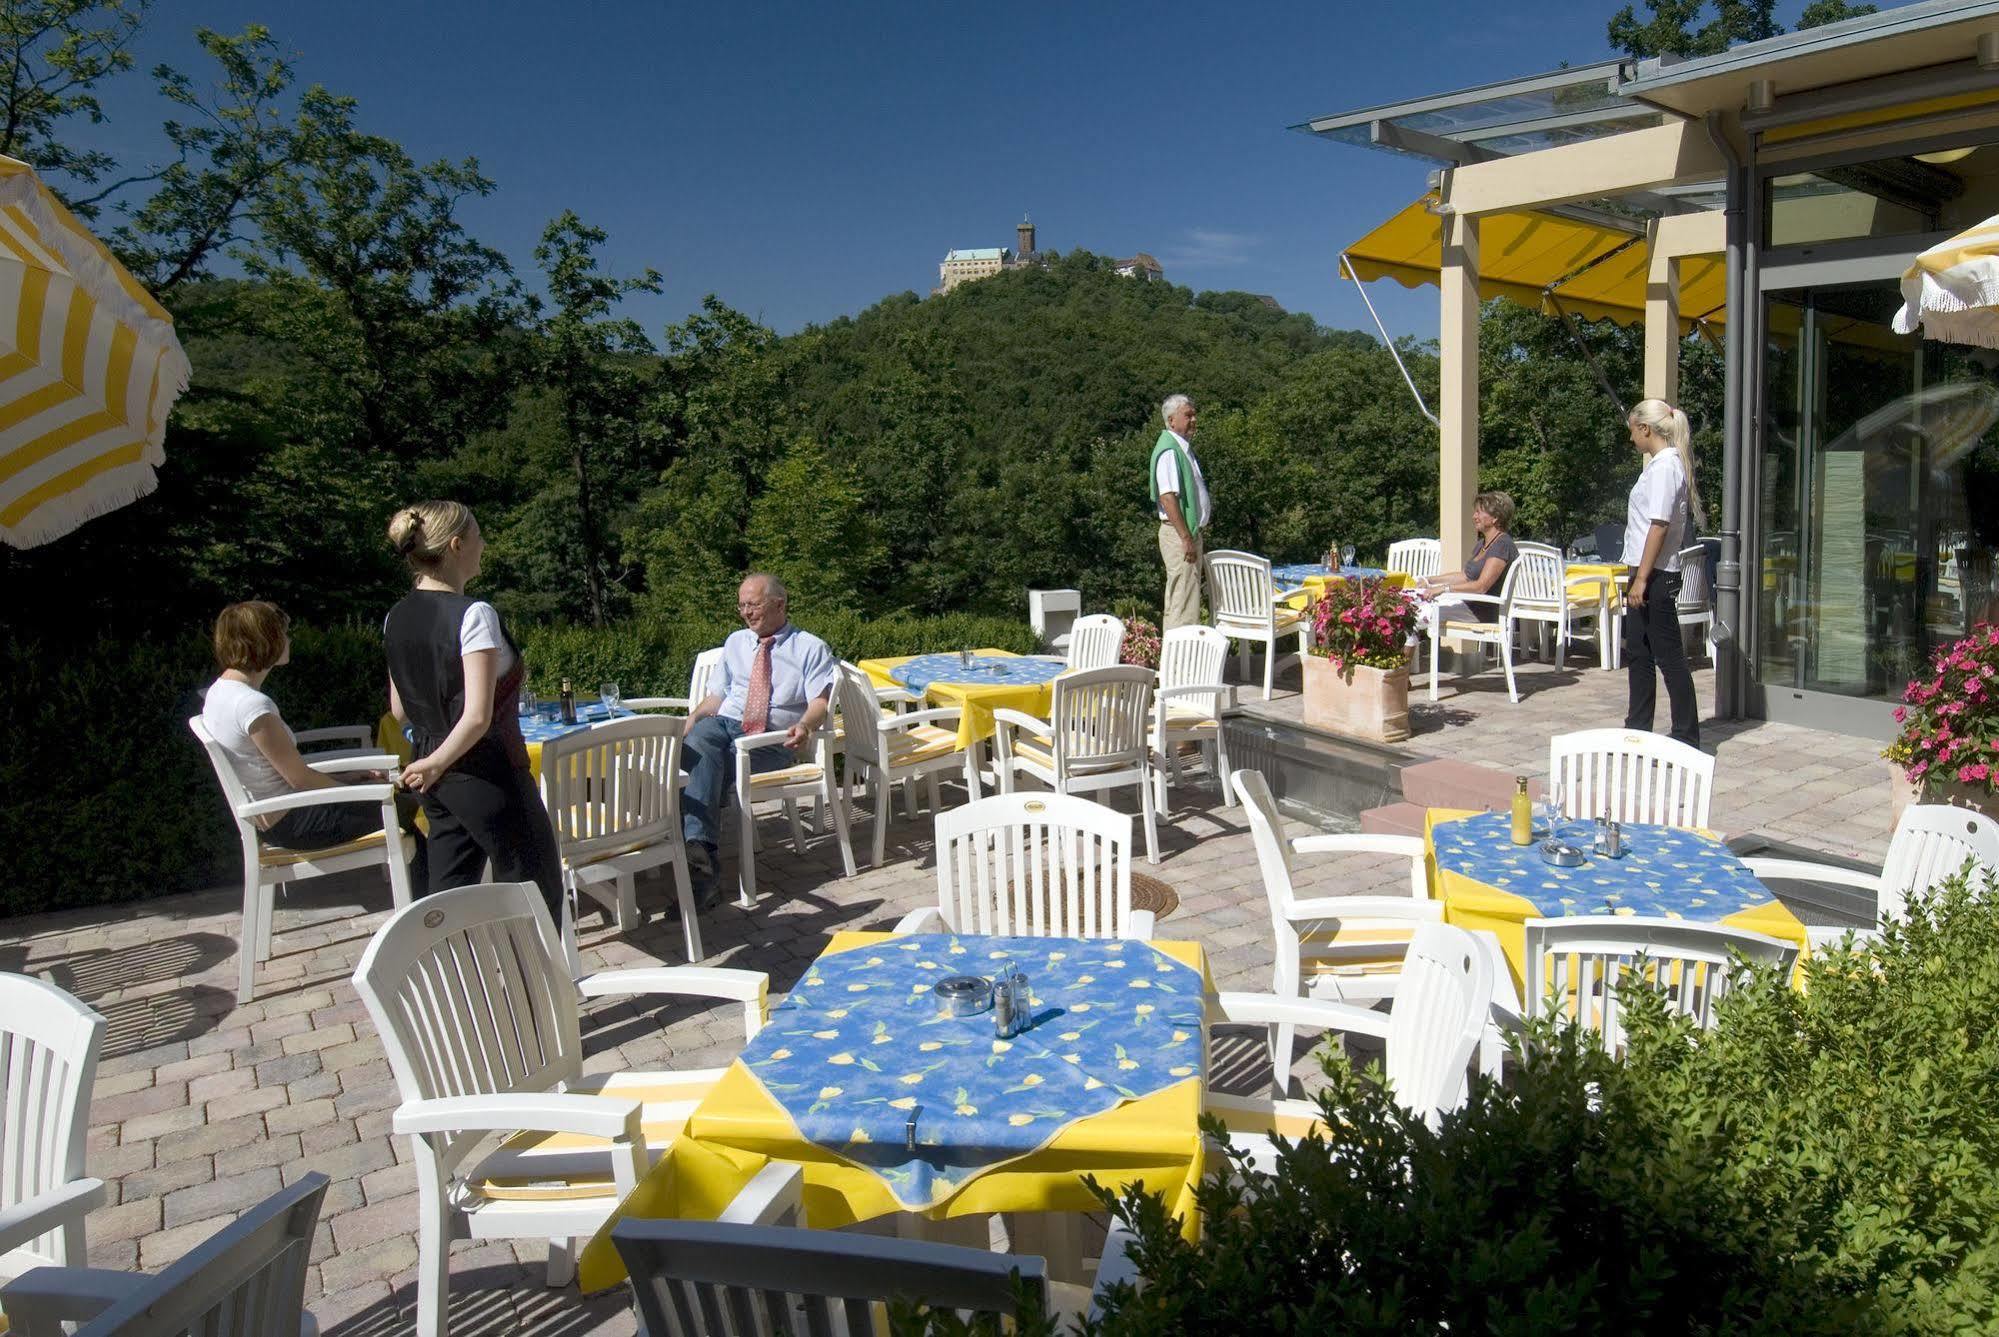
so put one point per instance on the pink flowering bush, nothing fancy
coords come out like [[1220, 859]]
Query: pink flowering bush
[[1141, 643], [1950, 720], [1363, 622]]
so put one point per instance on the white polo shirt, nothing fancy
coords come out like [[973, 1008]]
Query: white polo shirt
[[1659, 494], [1167, 476]]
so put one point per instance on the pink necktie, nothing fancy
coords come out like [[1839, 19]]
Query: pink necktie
[[756, 702]]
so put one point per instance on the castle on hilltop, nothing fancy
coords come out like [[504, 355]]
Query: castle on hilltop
[[962, 266]]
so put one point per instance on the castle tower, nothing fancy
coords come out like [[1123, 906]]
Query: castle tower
[[1025, 233]]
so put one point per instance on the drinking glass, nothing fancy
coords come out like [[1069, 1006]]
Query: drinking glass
[[529, 705], [964, 659], [1553, 799], [612, 698], [1347, 552]]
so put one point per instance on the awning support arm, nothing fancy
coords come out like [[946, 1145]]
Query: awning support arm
[[1603, 382], [1389, 343]]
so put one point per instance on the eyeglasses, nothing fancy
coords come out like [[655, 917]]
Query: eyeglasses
[[756, 607]]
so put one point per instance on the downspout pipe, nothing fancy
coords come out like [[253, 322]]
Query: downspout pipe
[[1731, 677]]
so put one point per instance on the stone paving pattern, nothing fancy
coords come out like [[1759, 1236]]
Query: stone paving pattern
[[202, 1107]]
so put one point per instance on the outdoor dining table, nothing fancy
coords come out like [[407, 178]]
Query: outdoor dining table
[[1299, 584], [541, 727], [888, 1105], [994, 680], [1604, 582], [1488, 883]]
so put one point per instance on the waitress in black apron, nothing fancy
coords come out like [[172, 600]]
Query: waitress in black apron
[[455, 678]]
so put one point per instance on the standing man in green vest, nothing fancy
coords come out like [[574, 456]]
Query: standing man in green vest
[[1181, 496]]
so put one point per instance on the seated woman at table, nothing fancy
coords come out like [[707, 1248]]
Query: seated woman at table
[[1485, 569], [251, 639]]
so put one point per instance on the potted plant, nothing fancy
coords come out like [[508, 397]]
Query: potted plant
[[1141, 643], [1356, 678], [1948, 750]]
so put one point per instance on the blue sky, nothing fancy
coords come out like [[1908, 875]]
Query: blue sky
[[804, 160]]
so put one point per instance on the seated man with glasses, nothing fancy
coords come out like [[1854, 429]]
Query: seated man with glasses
[[772, 676]]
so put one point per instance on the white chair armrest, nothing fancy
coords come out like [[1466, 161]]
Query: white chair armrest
[[1020, 719], [1800, 870], [1365, 907], [355, 761], [680, 703], [312, 798], [60, 1206], [1139, 926], [1263, 1009], [749, 742], [1492, 599], [353, 735], [894, 695], [1113, 1266], [775, 1196], [42, 1299], [927, 920], [1192, 689], [540, 1111], [751, 988], [921, 717], [1407, 847]]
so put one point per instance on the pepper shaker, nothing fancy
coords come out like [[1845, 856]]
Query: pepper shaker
[[1002, 1007]]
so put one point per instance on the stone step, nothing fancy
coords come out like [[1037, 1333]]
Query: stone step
[[1393, 819], [1444, 783]]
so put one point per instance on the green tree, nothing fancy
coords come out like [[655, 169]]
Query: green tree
[[810, 526], [582, 358], [53, 55], [1821, 12], [1670, 30]]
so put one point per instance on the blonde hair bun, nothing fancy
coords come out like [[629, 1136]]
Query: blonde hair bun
[[422, 534]]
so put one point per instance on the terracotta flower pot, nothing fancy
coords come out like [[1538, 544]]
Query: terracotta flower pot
[[1959, 795], [1902, 791], [1374, 705]]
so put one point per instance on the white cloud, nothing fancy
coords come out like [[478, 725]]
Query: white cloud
[[1201, 248]]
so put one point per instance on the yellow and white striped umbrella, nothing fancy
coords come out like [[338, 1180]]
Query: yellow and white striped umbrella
[[89, 367], [1952, 290]]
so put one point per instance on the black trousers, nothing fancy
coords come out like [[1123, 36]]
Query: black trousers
[[320, 828], [1652, 638], [487, 808]]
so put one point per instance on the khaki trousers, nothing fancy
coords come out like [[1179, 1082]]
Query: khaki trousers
[[1182, 605]]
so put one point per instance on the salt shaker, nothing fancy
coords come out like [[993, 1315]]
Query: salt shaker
[[1003, 1006], [1613, 841], [1023, 1000]]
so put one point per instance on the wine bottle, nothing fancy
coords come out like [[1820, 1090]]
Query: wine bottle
[[569, 705], [1523, 812]]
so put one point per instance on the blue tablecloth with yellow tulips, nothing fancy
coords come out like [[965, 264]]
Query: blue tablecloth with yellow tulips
[[888, 1106], [1488, 883]]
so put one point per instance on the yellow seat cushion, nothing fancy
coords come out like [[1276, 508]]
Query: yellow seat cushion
[[920, 742], [1473, 628], [566, 1167], [1182, 720], [1265, 1121], [277, 856], [1288, 619], [789, 775], [1040, 756]]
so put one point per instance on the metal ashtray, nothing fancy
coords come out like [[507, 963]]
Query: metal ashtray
[[963, 995], [1561, 854]]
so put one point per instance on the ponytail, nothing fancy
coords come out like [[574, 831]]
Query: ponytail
[[1670, 424]]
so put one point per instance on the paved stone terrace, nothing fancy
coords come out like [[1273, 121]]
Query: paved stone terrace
[[203, 1107]]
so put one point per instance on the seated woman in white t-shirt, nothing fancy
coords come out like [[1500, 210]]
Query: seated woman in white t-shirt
[[251, 639]]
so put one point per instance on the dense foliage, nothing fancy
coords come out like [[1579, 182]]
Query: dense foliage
[[1825, 1160]]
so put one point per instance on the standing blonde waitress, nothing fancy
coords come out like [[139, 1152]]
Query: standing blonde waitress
[[1655, 530]]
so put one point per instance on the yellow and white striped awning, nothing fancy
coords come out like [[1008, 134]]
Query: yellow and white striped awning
[[89, 367], [1952, 289]]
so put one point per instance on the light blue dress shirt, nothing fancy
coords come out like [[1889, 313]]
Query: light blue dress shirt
[[801, 671]]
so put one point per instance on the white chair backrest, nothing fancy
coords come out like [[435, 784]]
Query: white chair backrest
[[1584, 963], [1034, 865], [233, 788], [467, 991], [859, 709], [248, 1277], [703, 672], [1931, 843], [1095, 641], [1693, 580], [1266, 830], [1639, 777], [1239, 588], [1101, 718], [1535, 579], [1438, 1018], [48, 1063], [611, 786], [1416, 557], [1193, 656]]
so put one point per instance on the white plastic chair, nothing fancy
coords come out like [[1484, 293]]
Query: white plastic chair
[[1188, 706], [477, 1013], [1033, 865], [267, 867], [1531, 590], [1095, 641], [1432, 1030], [809, 780], [1583, 962], [1244, 603], [1636, 777], [612, 793], [1095, 737], [48, 1064], [1931, 842], [1416, 557], [247, 1278], [698, 678], [1696, 601], [833, 743], [887, 750]]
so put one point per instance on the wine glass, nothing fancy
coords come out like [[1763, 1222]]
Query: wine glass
[[964, 659], [1553, 800], [529, 705], [611, 696], [1347, 553]]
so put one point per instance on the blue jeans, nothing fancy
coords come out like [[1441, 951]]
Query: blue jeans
[[710, 759]]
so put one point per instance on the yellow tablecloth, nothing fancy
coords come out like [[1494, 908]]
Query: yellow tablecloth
[[1315, 588], [389, 738], [1586, 580], [1154, 1142], [977, 701], [1474, 905]]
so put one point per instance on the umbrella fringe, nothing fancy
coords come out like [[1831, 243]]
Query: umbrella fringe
[[107, 494]]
